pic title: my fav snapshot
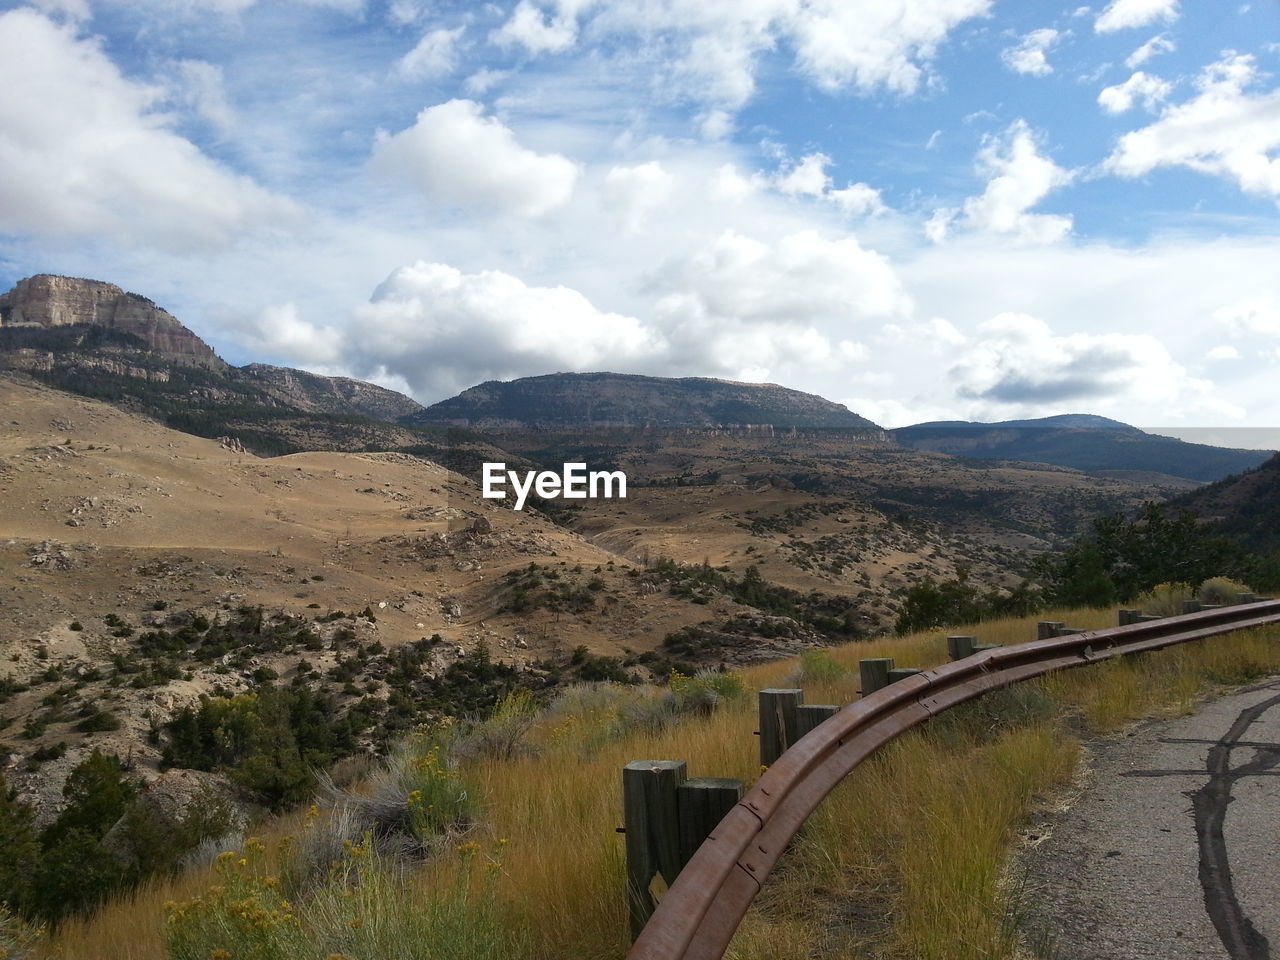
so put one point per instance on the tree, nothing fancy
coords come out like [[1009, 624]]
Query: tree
[[21, 849]]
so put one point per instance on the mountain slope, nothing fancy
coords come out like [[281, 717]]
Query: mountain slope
[[1246, 505], [587, 400], [1082, 442]]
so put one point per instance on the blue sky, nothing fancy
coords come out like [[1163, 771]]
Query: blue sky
[[922, 208]]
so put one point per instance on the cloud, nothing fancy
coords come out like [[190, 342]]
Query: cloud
[[858, 200], [1254, 316], [1017, 361], [1222, 352], [84, 150], [709, 51], [1019, 178], [806, 178], [1029, 55], [435, 55], [459, 157], [280, 331], [633, 192], [200, 88], [1140, 86], [1224, 131], [1124, 14], [443, 330], [537, 31], [1154, 47]]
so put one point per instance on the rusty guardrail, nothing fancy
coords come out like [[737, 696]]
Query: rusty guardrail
[[701, 911]]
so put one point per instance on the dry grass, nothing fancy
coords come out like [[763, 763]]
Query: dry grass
[[906, 859]]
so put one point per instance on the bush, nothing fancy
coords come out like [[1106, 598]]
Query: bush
[[99, 722], [817, 666], [704, 691], [1221, 590], [1165, 599]]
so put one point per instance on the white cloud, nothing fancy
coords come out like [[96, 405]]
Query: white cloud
[[1124, 14], [435, 55], [1139, 87], [806, 178], [802, 277], [1256, 316], [1018, 362], [1222, 352], [1224, 130], [633, 192], [458, 156], [536, 31], [1029, 55], [858, 200], [280, 331], [489, 325], [1154, 47], [715, 124], [888, 44], [729, 184], [1019, 178], [84, 150], [710, 49], [201, 89]]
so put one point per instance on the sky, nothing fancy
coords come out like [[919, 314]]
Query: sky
[[924, 209]]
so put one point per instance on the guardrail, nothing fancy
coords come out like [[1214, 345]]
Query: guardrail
[[709, 896]]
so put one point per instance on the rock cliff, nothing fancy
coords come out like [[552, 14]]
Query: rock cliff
[[50, 301]]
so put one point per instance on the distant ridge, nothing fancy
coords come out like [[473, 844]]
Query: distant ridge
[[1083, 442], [587, 400]]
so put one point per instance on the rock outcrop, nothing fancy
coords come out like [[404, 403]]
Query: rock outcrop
[[50, 301], [317, 394]]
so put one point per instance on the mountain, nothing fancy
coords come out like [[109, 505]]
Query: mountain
[[587, 400], [1083, 442], [97, 340], [45, 302], [318, 394], [1246, 505]]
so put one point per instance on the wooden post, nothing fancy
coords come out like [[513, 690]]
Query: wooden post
[[1129, 616], [779, 723], [1191, 606], [650, 813], [960, 647], [1246, 598], [1047, 629], [702, 803], [901, 673], [874, 673], [1065, 631], [809, 715]]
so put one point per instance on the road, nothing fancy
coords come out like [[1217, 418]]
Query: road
[[1173, 849]]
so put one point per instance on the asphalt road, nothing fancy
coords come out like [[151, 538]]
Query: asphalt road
[[1173, 850]]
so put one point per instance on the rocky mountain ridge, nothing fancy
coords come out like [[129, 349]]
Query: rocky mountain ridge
[[611, 400], [95, 338]]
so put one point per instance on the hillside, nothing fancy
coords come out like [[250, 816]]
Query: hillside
[[1246, 506], [95, 339], [1083, 442], [599, 400]]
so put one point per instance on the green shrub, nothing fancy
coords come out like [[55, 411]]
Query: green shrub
[[1221, 590], [1165, 599]]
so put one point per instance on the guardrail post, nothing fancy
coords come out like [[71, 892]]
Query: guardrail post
[[810, 715], [960, 647], [1192, 606], [901, 673], [1047, 629], [1247, 598], [1129, 616], [650, 811], [874, 674], [701, 804], [779, 723]]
